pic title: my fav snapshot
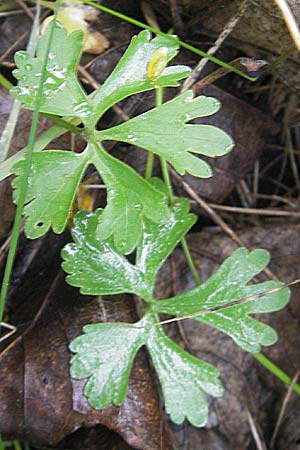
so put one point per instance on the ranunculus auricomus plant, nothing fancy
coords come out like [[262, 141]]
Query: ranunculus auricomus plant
[[141, 219]]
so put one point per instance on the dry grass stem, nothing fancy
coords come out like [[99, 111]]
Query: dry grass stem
[[283, 408], [233, 21]]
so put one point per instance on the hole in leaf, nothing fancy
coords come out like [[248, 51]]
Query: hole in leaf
[[39, 225]]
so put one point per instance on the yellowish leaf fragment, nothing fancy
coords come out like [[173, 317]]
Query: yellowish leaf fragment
[[157, 63], [74, 17]]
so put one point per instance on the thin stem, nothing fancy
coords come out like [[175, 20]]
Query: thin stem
[[166, 178], [17, 445], [150, 158], [174, 38], [1, 443], [5, 83], [190, 261], [275, 370], [149, 166], [168, 183], [24, 183], [7, 6]]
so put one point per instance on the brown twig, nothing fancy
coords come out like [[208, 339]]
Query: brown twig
[[260, 445], [283, 408], [92, 82], [233, 21], [261, 212], [175, 11], [221, 307], [215, 217], [149, 15], [25, 8], [290, 21], [13, 46]]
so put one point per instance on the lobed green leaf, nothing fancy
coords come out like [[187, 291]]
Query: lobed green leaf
[[130, 75], [105, 354], [62, 93], [130, 199], [158, 240], [96, 266], [184, 379], [163, 130], [226, 286], [52, 185]]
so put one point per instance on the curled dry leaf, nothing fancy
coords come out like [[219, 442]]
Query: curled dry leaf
[[75, 16]]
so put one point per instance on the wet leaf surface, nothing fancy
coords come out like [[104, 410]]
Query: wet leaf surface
[[48, 405], [248, 386]]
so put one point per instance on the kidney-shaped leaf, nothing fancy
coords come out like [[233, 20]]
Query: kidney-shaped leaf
[[52, 184], [62, 92], [130, 75], [227, 286], [163, 130]]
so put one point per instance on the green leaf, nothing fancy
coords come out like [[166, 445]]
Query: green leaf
[[226, 286], [163, 130], [183, 379], [105, 354], [159, 240], [62, 94], [95, 266], [52, 184], [130, 75], [130, 199], [40, 143]]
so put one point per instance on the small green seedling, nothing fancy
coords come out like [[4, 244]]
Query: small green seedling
[[139, 217]]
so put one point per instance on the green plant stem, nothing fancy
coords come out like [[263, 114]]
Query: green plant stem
[[1, 443], [17, 445], [174, 38], [5, 83], [149, 166], [10, 126], [7, 6], [275, 370], [23, 187], [167, 180], [150, 158]]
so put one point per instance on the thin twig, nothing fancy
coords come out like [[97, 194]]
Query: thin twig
[[260, 445], [261, 212], [290, 21], [233, 21], [26, 9], [13, 46], [214, 76], [12, 329], [177, 21], [204, 312], [92, 82], [149, 14], [283, 408], [215, 217]]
